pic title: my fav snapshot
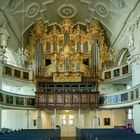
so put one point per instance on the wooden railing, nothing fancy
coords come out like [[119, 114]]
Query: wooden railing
[[67, 100]]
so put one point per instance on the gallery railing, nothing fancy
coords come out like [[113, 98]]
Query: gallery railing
[[108, 74], [15, 72], [68, 100], [11, 99], [116, 72], [121, 99], [66, 94]]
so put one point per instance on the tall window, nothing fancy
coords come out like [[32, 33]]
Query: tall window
[[63, 120], [71, 119], [9, 58], [130, 114]]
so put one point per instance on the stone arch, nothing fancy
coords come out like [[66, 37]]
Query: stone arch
[[122, 56]]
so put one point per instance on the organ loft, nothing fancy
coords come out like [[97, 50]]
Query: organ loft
[[67, 61]]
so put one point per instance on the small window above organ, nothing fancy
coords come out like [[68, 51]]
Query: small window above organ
[[48, 62], [86, 62]]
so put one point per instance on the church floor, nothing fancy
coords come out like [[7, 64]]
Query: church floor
[[68, 138]]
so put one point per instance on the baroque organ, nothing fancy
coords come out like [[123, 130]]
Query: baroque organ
[[67, 60]]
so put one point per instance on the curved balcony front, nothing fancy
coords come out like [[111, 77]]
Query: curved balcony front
[[16, 101], [120, 99]]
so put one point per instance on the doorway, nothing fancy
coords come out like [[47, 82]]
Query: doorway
[[68, 124]]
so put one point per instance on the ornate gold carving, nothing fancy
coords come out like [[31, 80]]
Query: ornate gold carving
[[67, 77], [38, 33], [67, 58]]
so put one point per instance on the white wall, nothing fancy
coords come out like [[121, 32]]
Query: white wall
[[135, 52], [24, 90], [13, 119], [119, 87], [106, 88], [136, 115], [17, 119]]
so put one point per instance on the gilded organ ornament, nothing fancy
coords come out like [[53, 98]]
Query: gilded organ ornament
[[69, 52]]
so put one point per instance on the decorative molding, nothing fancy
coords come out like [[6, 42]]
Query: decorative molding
[[12, 4], [67, 11], [134, 54], [86, 1], [130, 34], [134, 59], [32, 10], [101, 9], [47, 2], [130, 38], [121, 4]]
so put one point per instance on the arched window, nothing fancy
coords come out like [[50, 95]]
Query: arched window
[[9, 58]]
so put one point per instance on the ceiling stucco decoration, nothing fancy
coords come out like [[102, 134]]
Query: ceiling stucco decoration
[[122, 3], [108, 12], [101, 9], [32, 10], [67, 11], [12, 3]]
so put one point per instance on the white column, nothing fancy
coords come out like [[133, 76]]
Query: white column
[[135, 74], [136, 115], [3, 43], [0, 119], [27, 119], [2, 52], [95, 120], [1, 69], [79, 113], [86, 119], [39, 120], [55, 118]]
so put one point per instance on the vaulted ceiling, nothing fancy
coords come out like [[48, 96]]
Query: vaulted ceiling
[[21, 14]]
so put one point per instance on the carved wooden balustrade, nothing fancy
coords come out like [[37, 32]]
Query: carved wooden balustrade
[[66, 95]]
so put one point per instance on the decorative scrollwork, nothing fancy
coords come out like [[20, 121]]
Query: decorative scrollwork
[[33, 10], [65, 53], [67, 11], [101, 10], [12, 4], [122, 3]]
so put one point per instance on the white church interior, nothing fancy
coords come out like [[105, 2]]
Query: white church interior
[[69, 69]]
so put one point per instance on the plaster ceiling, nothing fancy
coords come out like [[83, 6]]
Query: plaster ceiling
[[21, 14]]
